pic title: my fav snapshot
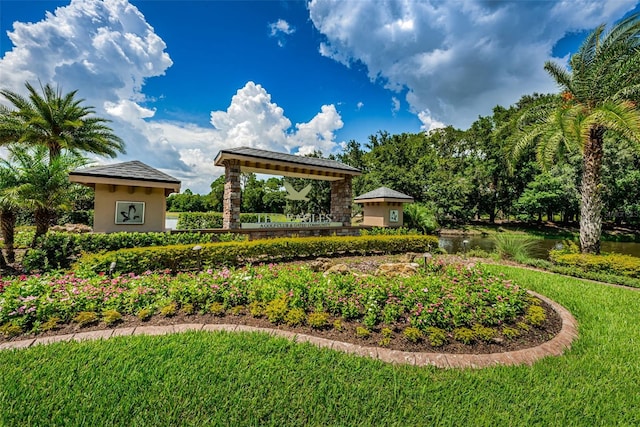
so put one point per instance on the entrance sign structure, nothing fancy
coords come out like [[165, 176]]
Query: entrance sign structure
[[129, 196], [245, 159], [382, 207]]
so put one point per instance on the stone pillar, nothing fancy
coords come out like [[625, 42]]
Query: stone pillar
[[232, 191], [341, 201]]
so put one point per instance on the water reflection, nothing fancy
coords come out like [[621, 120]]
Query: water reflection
[[454, 244]]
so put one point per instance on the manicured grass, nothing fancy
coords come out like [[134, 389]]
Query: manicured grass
[[252, 379]]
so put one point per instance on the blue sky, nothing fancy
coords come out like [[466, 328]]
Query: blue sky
[[183, 79]]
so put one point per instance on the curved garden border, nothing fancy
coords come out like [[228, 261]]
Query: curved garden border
[[555, 347]]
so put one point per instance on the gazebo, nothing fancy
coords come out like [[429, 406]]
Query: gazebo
[[129, 196], [382, 207]]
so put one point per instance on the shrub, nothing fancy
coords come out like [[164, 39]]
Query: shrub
[[337, 325], [622, 265], [535, 315], [256, 309], [111, 317], [188, 309], [523, 326], [145, 314], [362, 332], [483, 333], [216, 308], [295, 317], [319, 320], [510, 333], [412, 334], [10, 329], [169, 310], [237, 310], [276, 310], [51, 324], [85, 318], [437, 337], [513, 246], [420, 217], [464, 335], [208, 220]]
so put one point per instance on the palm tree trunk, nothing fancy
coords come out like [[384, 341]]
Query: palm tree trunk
[[591, 205], [7, 226], [42, 218]]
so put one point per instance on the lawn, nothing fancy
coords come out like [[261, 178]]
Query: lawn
[[252, 379]]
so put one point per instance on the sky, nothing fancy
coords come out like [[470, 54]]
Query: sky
[[181, 80]]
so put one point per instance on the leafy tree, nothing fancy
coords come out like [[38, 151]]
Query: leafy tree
[[273, 199], [599, 99], [216, 196], [9, 206], [57, 122], [252, 194]]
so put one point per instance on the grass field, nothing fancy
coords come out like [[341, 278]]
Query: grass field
[[252, 379]]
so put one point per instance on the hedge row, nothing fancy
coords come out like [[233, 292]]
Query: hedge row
[[204, 220], [617, 264], [58, 250], [189, 257]]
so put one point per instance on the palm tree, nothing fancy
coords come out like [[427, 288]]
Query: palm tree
[[8, 211], [598, 105], [57, 122], [43, 184]]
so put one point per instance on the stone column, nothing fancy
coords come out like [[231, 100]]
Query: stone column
[[232, 191], [341, 201]]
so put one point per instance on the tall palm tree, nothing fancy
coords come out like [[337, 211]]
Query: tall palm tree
[[598, 104], [57, 122], [43, 184]]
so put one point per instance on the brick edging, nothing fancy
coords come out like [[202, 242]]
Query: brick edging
[[527, 356]]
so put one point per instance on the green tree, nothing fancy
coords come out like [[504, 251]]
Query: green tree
[[57, 122], [599, 97], [43, 184], [9, 206], [216, 195]]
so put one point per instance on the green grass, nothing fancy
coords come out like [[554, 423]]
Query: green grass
[[252, 379]]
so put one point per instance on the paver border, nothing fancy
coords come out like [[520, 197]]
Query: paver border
[[554, 347]]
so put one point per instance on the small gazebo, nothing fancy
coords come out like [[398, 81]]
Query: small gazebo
[[129, 196], [382, 207]]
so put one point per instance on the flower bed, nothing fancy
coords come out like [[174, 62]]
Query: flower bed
[[450, 302]]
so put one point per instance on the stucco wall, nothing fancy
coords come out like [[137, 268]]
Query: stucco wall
[[377, 215], [106, 197]]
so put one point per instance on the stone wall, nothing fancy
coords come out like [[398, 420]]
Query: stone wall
[[341, 201], [232, 192]]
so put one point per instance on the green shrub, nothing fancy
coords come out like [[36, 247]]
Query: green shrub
[[85, 318], [208, 220], [169, 310], [295, 317], [510, 333], [51, 324], [616, 264], [216, 308], [513, 246], [256, 309], [362, 332], [535, 315], [145, 314], [237, 310], [319, 320], [522, 326], [276, 310], [437, 337], [412, 334], [464, 335], [337, 325], [10, 329], [483, 333], [180, 257], [111, 317], [420, 217], [188, 309]]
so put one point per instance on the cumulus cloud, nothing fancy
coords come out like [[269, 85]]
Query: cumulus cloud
[[106, 50], [279, 30], [455, 60], [395, 104]]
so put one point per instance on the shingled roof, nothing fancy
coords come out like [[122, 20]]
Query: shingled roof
[[133, 170], [272, 162], [384, 193]]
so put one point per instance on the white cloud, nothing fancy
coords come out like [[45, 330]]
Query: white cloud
[[359, 105], [428, 122], [106, 50], [279, 30], [395, 104], [455, 59]]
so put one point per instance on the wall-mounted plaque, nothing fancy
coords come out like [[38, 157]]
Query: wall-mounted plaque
[[393, 215], [129, 212]]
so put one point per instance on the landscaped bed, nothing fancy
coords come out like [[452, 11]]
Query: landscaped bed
[[447, 308]]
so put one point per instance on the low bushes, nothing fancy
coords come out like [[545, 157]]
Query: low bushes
[[616, 264], [213, 255], [455, 297]]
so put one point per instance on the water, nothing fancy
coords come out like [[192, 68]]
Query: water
[[453, 244]]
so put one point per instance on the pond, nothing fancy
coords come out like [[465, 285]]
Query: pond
[[453, 244]]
